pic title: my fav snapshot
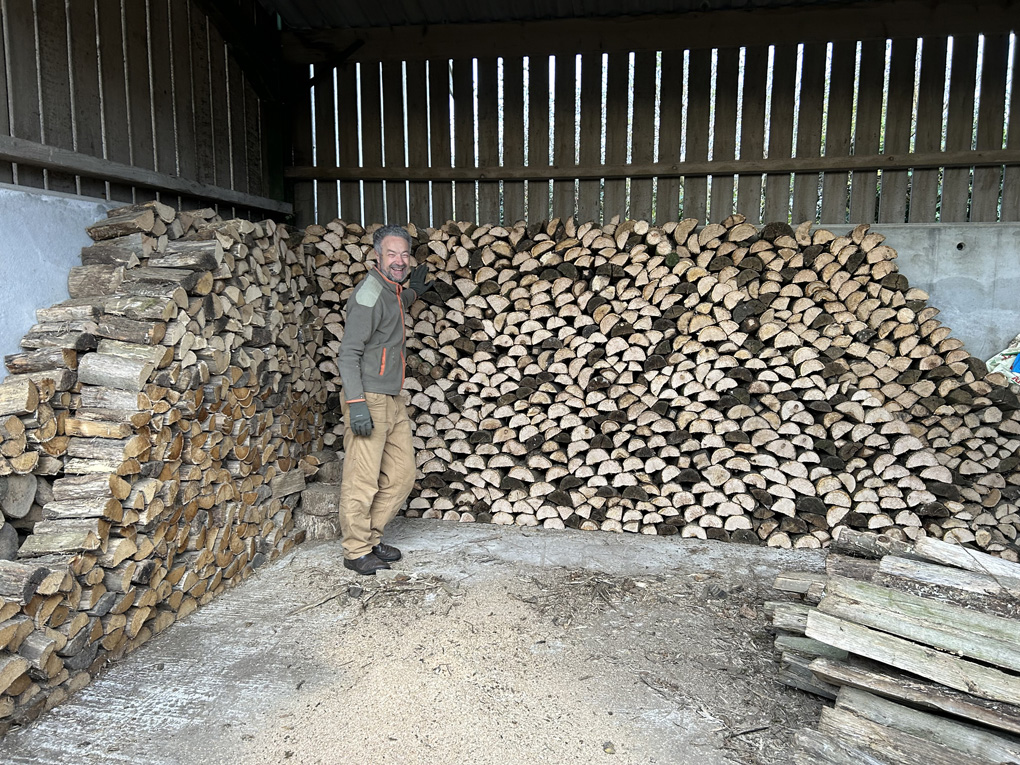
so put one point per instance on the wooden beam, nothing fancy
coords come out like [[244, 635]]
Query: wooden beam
[[1009, 157], [821, 23], [51, 158], [255, 46]]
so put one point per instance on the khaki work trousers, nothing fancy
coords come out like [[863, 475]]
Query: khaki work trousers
[[378, 474]]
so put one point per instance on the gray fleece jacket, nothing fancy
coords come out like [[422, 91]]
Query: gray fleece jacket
[[373, 347]]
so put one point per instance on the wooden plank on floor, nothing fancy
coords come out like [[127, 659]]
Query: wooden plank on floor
[[418, 142], [956, 181], [925, 694], [943, 576], [752, 130], [371, 142], [464, 138], [777, 185], [888, 744], [924, 185], [727, 81], [671, 133], [393, 129], [864, 185], [513, 136], [23, 85], [589, 191], [614, 202], [809, 131], [564, 125], [488, 139], [327, 198], [892, 205], [838, 131], [951, 671], [966, 739], [642, 140], [51, 21], [347, 114], [439, 128], [991, 125]]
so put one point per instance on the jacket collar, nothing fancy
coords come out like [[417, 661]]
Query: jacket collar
[[391, 285]]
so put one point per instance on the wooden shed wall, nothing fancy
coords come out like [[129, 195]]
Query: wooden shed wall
[[131, 99], [871, 130]]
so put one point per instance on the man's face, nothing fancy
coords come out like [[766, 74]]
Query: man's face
[[394, 258]]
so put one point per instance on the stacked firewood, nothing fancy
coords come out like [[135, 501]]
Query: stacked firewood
[[918, 650], [717, 381], [183, 366]]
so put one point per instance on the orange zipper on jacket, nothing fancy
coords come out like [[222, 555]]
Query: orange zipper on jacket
[[382, 366], [403, 331]]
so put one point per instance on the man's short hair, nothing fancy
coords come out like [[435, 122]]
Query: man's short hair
[[392, 230]]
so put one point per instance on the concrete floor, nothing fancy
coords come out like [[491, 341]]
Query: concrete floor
[[210, 686]]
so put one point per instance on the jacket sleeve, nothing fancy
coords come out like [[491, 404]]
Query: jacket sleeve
[[358, 330]]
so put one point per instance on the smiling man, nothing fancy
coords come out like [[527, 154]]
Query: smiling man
[[379, 457]]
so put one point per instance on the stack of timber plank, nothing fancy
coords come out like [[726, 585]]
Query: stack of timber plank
[[726, 381], [919, 650], [151, 431]]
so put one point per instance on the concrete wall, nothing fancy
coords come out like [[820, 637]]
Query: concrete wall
[[971, 271], [41, 236]]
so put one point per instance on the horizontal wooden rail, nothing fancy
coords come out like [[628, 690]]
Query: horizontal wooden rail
[[52, 158], [930, 160]]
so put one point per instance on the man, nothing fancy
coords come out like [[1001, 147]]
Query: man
[[379, 463]]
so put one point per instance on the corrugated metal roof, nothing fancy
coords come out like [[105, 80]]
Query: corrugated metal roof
[[363, 14]]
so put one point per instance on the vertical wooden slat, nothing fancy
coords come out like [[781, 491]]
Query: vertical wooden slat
[[56, 86], [488, 139], [253, 140], [300, 107], [371, 141], [238, 134], [464, 137], [892, 205], [564, 200], [959, 128], [643, 136], [6, 168], [615, 200], [835, 192], [777, 185], [752, 130], [393, 127], [538, 134], [588, 192], [1011, 175], [220, 104], [699, 104], [513, 136], [347, 117], [162, 87], [114, 83], [418, 142], [327, 204], [139, 96], [726, 97], [439, 128], [809, 130], [671, 127], [924, 187], [184, 98], [864, 190], [991, 121], [24, 97], [204, 158]]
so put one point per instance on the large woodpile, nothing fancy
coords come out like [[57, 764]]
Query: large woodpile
[[151, 435], [716, 381], [917, 646]]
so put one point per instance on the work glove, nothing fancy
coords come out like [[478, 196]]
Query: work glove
[[417, 280], [359, 419]]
